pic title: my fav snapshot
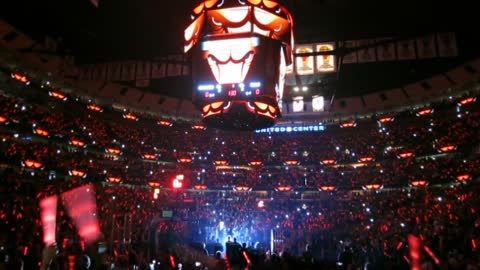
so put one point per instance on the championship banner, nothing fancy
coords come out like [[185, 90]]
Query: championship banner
[[174, 65], [158, 69], [298, 105], [406, 49], [326, 62], [447, 44], [352, 57], [386, 51], [426, 47], [128, 71], [186, 70], [143, 70], [143, 74], [114, 72], [84, 72], [90, 72], [102, 72], [304, 65], [366, 55]]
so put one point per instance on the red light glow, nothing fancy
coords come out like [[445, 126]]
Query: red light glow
[[328, 161], [185, 160], [178, 181], [220, 162], [348, 124], [464, 177], [48, 213], [198, 127], [414, 251], [78, 173], [419, 183], [386, 119], [373, 186], [81, 206], [200, 187], [448, 148], [366, 159], [328, 188], [3, 119], [57, 95], [21, 78], [94, 107], [406, 154], [165, 123], [468, 100], [284, 188], [114, 151], [255, 163], [41, 132], [32, 164], [77, 142], [424, 112], [130, 116], [242, 188], [291, 162], [149, 156], [114, 179], [154, 184]]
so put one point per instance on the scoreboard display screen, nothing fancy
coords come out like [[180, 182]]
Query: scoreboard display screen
[[240, 51], [234, 68]]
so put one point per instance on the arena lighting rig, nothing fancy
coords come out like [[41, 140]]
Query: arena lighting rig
[[240, 52]]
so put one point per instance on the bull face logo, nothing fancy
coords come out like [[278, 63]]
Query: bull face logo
[[230, 59]]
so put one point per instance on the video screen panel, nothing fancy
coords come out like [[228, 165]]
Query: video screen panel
[[234, 68]]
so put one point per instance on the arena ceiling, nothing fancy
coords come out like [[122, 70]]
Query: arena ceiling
[[120, 30]]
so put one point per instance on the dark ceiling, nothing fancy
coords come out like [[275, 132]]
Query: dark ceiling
[[143, 29]]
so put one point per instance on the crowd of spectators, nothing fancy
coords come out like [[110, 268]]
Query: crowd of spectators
[[346, 228]]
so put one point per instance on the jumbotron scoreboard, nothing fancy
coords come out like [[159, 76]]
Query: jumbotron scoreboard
[[240, 53]]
